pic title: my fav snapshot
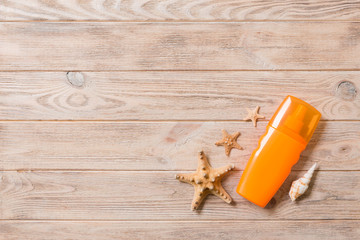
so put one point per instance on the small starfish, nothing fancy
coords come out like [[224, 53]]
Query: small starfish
[[206, 180], [229, 142], [253, 115]]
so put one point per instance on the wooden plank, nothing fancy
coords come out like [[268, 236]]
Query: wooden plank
[[297, 230], [158, 195], [207, 10], [159, 145], [205, 95], [179, 46]]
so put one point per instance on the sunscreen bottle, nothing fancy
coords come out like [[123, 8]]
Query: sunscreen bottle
[[286, 136]]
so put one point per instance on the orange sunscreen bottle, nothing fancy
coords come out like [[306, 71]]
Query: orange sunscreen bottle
[[286, 136]]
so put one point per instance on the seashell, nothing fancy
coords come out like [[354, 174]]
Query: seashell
[[300, 186]]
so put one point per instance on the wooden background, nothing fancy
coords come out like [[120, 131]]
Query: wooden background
[[102, 102]]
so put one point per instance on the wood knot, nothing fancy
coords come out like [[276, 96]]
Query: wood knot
[[345, 149], [346, 90], [76, 79]]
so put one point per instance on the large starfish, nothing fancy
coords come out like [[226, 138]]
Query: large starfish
[[229, 142], [253, 115], [206, 180]]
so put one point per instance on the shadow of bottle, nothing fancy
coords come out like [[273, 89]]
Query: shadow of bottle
[[301, 167]]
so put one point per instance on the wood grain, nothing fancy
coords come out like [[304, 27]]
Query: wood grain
[[103, 162], [172, 95], [179, 10], [180, 46], [159, 145], [158, 195], [281, 230]]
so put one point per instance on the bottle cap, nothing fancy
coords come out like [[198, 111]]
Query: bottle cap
[[296, 118]]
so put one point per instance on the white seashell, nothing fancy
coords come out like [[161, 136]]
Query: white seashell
[[300, 186]]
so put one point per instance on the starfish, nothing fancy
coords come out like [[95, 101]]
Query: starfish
[[253, 115], [229, 142], [206, 180]]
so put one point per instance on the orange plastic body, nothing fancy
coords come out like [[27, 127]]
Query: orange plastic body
[[286, 136]]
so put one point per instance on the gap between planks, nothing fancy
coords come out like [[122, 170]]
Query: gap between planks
[[186, 70], [156, 120], [182, 21], [179, 221], [139, 171]]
